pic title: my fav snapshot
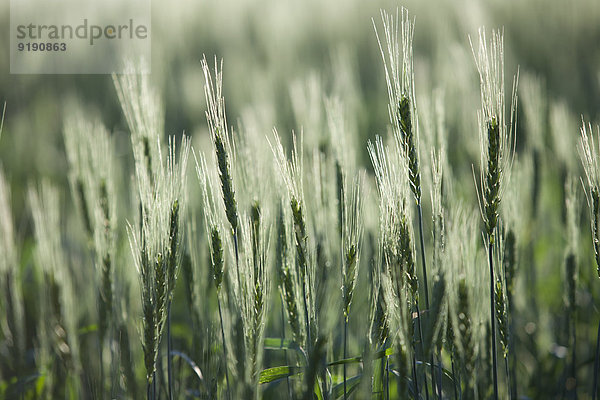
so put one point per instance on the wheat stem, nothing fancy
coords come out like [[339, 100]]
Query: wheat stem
[[237, 255], [509, 264], [493, 319], [224, 347], [416, 389], [596, 365], [507, 371], [285, 354], [434, 387], [402, 371], [454, 378], [422, 348], [154, 385], [309, 342], [315, 363], [169, 349], [424, 265], [345, 353], [435, 390], [217, 261], [387, 378]]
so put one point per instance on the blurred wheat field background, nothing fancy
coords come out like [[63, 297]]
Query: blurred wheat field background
[[305, 201]]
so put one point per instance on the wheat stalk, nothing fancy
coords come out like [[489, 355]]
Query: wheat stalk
[[155, 245], [217, 123], [291, 174], [396, 243], [399, 72], [286, 275], [352, 230], [590, 156], [438, 224], [497, 152], [254, 290], [213, 226]]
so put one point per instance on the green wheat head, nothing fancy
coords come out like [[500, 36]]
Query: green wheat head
[[352, 230], [399, 74], [217, 123], [496, 137], [590, 156]]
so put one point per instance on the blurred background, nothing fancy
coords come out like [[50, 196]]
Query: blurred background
[[275, 51]]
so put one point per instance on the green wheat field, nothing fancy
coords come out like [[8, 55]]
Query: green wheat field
[[310, 200]]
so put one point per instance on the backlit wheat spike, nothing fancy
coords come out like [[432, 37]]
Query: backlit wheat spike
[[291, 171], [173, 182], [190, 279], [502, 317], [399, 278], [208, 180], [351, 240], [213, 217], [216, 254], [497, 152], [379, 327], [590, 156], [390, 177], [500, 295], [301, 241], [407, 252], [217, 123], [351, 247], [292, 177], [393, 196], [144, 113], [253, 291], [156, 247], [395, 241], [287, 278], [496, 138], [399, 73], [400, 81]]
